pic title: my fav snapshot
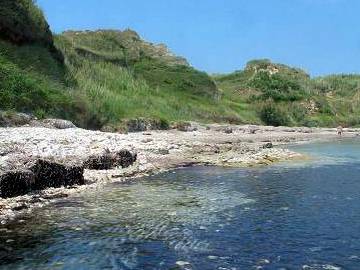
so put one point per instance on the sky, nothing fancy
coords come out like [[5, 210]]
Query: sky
[[220, 36]]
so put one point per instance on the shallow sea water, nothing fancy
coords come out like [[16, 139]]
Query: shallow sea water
[[296, 215]]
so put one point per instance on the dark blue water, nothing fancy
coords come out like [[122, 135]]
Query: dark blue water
[[303, 215]]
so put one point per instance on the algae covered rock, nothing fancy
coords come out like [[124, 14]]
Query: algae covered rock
[[51, 174], [16, 183], [107, 160]]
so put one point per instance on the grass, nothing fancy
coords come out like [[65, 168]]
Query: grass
[[104, 77], [32, 81], [145, 87], [22, 22], [288, 96]]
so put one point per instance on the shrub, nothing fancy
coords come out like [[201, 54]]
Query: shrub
[[277, 87], [271, 114]]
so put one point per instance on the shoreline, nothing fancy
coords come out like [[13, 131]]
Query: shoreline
[[157, 151]]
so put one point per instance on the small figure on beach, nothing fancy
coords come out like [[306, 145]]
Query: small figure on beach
[[340, 130]]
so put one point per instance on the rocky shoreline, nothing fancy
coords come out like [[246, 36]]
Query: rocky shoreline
[[106, 157]]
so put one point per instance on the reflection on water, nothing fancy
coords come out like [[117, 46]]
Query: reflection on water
[[278, 217]]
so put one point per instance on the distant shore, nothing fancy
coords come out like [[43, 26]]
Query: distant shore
[[157, 151]]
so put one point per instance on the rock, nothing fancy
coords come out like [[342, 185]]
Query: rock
[[52, 174], [184, 126], [268, 145], [108, 128], [162, 151], [182, 263], [146, 140], [107, 160], [16, 183], [58, 123], [228, 130], [12, 119], [144, 124]]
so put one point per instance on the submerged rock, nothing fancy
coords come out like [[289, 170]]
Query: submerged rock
[[51, 174], [107, 160], [16, 183]]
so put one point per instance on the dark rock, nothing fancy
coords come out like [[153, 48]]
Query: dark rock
[[52, 174], [145, 124], [228, 130], [162, 151], [20, 207], [107, 160], [268, 145], [16, 183]]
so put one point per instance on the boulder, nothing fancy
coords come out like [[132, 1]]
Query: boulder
[[107, 160], [16, 183], [267, 145], [51, 174], [58, 123], [13, 119], [184, 126], [145, 124], [228, 130]]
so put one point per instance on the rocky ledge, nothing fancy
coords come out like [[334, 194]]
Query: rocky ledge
[[39, 164]]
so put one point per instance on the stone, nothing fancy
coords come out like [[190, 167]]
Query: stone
[[51, 174], [12, 119], [58, 123], [184, 126], [16, 183], [145, 124], [268, 145], [228, 130], [107, 160]]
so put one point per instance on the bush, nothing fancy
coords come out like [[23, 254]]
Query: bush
[[277, 87], [271, 114]]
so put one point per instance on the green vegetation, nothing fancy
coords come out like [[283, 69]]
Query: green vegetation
[[21, 21], [281, 95], [123, 77], [105, 78]]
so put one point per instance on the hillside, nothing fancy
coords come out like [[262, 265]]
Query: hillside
[[283, 95], [32, 74], [96, 78], [99, 79], [123, 76]]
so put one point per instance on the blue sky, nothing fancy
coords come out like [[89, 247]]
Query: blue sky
[[321, 36]]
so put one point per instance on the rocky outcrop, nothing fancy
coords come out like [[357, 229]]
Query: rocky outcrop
[[16, 183], [17, 119], [107, 160], [52, 174], [143, 124], [12, 119], [56, 123], [40, 174], [184, 126]]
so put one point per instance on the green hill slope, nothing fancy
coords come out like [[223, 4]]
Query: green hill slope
[[32, 74], [123, 76], [282, 95], [100, 78]]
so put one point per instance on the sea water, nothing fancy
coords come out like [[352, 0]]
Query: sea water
[[293, 215]]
